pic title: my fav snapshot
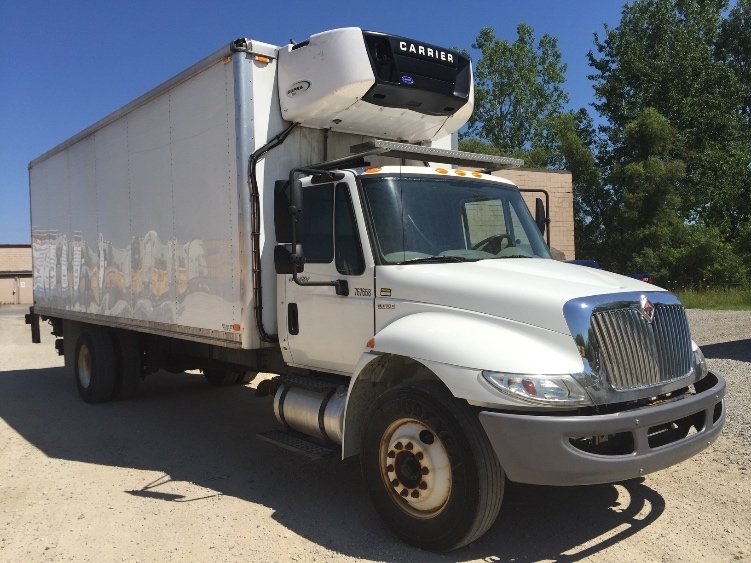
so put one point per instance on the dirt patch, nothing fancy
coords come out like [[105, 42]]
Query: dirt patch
[[177, 474]]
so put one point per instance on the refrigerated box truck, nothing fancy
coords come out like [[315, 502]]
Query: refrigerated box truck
[[302, 210]]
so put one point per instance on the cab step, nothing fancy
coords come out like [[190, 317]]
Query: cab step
[[297, 443]]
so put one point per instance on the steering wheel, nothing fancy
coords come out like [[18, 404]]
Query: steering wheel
[[494, 244]]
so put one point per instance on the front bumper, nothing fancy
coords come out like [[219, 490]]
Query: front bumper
[[538, 449]]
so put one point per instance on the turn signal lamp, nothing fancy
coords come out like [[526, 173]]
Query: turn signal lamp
[[262, 59], [371, 343], [460, 172], [441, 170], [372, 170], [476, 174]]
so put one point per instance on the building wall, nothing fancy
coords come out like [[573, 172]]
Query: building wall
[[559, 185], [15, 258], [16, 285], [18, 289]]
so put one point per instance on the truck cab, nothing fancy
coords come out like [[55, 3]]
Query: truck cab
[[301, 210]]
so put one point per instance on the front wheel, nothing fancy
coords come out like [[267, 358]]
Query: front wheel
[[429, 468]]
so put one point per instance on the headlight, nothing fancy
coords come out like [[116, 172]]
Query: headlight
[[561, 390], [700, 363]]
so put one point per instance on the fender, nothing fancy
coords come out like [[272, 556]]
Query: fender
[[456, 346]]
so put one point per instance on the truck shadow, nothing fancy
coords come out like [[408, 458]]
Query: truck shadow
[[739, 350], [205, 437]]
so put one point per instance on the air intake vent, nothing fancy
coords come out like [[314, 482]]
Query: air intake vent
[[635, 353]]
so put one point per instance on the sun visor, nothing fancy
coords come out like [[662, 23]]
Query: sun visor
[[375, 84]]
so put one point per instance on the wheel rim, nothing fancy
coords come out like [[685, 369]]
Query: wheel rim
[[84, 366], [415, 468]]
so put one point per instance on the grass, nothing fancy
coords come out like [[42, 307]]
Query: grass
[[719, 299]]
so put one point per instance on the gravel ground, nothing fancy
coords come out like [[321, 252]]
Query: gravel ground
[[178, 475]]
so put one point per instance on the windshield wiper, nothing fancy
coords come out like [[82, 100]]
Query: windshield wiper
[[434, 260], [512, 256]]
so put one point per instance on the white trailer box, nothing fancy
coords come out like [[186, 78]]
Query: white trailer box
[[150, 208]]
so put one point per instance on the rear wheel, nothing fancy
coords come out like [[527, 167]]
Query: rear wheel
[[129, 363], [94, 365], [245, 377], [429, 468]]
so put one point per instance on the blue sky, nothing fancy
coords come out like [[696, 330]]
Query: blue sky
[[66, 64]]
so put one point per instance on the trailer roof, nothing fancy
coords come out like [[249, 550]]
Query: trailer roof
[[238, 45]]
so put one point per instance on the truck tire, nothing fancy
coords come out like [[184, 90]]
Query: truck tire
[[245, 377], [128, 363], [429, 468], [220, 377], [94, 365]]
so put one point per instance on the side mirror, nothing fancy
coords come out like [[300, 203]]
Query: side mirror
[[282, 216], [284, 262], [540, 218]]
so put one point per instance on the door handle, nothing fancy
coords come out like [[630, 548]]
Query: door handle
[[293, 325]]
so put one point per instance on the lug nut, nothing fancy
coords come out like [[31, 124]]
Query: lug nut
[[398, 446], [419, 456], [395, 482], [404, 492], [391, 454], [415, 494], [423, 485], [390, 468], [409, 446], [425, 471]]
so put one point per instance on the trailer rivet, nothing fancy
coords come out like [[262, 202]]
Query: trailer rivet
[[637, 422]]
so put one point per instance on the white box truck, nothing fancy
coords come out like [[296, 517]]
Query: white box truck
[[300, 210]]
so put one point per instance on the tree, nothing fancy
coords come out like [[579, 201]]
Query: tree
[[646, 181], [734, 50], [663, 55], [518, 92], [573, 150], [650, 233]]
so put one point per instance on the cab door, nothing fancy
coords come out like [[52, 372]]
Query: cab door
[[326, 331]]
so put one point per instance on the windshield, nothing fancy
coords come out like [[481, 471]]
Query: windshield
[[429, 218]]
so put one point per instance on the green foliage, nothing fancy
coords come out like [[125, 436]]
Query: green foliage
[[664, 185], [733, 48], [672, 55], [518, 92], [593, 203], [676, 156], [721, 299]]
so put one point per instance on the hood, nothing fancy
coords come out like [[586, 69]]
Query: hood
[[527, 290]]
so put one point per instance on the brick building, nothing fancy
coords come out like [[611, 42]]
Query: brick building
[[15, 274], [559, 185]]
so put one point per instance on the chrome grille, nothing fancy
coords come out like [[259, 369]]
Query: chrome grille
[[635, 353]]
